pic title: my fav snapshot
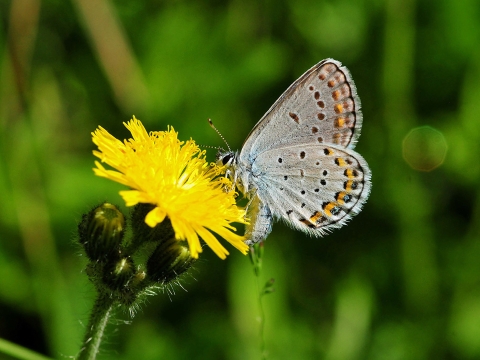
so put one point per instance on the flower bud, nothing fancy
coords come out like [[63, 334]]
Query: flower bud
[[142, 233], [168, 261], [101, 232], [138, 279], [117, 274]]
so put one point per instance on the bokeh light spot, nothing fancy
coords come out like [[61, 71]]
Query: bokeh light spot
[[424, 148]]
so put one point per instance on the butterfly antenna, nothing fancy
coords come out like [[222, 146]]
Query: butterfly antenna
[[208, 146], [218, 132]]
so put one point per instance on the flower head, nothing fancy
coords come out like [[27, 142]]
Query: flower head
[[174, 177]]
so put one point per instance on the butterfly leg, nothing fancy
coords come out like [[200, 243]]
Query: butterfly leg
[[261, 220], [233, 177], [228, 176]]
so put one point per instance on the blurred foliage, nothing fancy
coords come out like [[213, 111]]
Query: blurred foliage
[[401, 281]]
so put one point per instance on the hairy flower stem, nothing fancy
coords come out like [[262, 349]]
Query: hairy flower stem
[[261, 319], [101, 312]]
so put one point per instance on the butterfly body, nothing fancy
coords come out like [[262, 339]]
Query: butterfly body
[[298, 163]]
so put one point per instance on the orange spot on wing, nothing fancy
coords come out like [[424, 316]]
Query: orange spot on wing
[[348, 185], [328, 208], [340, 197], [339, 122], [308, 223], [351, 173], [340, 162], [316, 216]]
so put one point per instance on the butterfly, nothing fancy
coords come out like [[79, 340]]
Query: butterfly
[[298, 163]]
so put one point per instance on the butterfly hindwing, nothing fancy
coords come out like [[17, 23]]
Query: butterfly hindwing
[[314, 188]]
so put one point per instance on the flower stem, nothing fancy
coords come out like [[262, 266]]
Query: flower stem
[[261, 319], [96, 327], [256, 257]]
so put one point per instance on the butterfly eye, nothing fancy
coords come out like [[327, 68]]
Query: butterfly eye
[[227, 158]]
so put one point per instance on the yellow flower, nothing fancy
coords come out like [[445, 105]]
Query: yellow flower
[[175, 177]]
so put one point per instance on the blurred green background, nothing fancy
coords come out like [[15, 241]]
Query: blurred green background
[[401, 281]]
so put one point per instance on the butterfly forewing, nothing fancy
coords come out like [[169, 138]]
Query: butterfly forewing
[[321, 106]]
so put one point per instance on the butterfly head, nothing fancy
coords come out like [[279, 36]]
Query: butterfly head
[[229, 160], [226, 158]]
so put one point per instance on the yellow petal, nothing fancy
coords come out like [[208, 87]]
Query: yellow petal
[[174, 177]]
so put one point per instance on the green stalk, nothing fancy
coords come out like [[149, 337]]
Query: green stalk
[[262, 319], [101, 312], [19, 352]]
